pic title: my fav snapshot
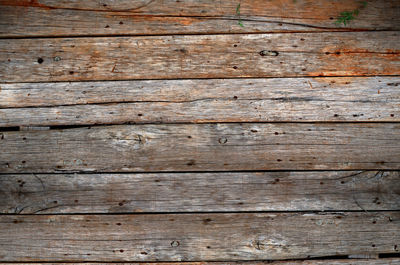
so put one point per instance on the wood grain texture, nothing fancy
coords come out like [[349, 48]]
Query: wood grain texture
[[200, 56], [196, 101], [386, 261], [192, 237], [203, 147], [76, 18], [204, 192]]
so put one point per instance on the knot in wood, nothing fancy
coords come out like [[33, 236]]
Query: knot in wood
[[258, 245]]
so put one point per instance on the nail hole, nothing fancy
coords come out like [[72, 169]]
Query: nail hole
[[40, 60], [222, 140], [268, 53], [175, 244], [191, 163]]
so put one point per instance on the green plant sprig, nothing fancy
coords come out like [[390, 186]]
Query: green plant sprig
[[346, 16], [240, 22]]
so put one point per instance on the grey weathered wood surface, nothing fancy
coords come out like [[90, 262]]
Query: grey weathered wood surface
[[111, 215], [211, 100], [200, 56], [82, 18], [203, 147], [193, 237], [200, 192], [386, 261]]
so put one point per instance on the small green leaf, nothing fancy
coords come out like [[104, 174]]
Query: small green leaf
[[238, 9], [240, 23], [364, 4]]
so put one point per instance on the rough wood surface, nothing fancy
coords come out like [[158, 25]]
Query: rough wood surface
[[203, 192], [203, 147], [201, 56], [214, 100], [192, 237], [91, 17], [386, 261]]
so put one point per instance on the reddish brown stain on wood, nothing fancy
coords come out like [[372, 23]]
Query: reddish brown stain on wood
[[24, 3]]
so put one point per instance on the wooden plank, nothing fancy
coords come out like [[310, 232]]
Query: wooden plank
[[196, 101], [201, 192], [203, 147], [76, 18], [386, 261], [192, 237], [200, 56]]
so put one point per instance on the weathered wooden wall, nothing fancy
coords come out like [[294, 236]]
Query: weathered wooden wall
[[163, 131]]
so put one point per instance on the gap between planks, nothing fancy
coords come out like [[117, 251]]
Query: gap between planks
[[325, 261]]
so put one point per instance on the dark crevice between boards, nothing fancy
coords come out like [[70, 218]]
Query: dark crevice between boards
[[390, 255], [199, 172], [328, 257], [322, 30], [89, 126], [9, 129], [205, 78], [187, 262], [65, 127], [339, 213]]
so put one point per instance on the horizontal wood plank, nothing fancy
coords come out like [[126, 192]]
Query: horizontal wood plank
[[203, 192], [192, 237], [386, 261], [203, 147], [200, 56], [21, 18], [194, 101]]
